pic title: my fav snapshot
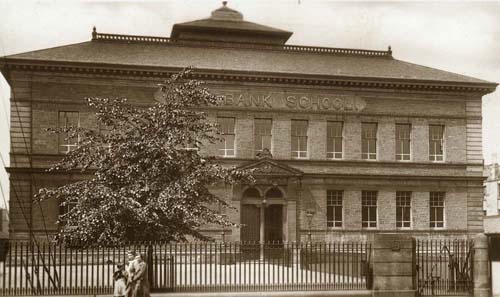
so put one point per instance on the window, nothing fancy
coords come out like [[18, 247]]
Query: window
[[436, 142], [403, 209], [436, 208], [225, 147], [334, 140], [299, 138], [191, 144], [68, 119], [369, 141], [334, 208], [262, 134], [66, 208], [403, 140], [369, 209]]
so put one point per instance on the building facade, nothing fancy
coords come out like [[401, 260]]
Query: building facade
[[344, 142], [492, 190]]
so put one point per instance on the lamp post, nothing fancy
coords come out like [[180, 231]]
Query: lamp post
[[309, 215]]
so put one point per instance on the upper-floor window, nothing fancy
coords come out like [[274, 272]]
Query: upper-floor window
[[403, 209], [299, 138], [68, 119], [225, 147], [334, 140], [436, 209], [262, 134], [403, 142], [369, 209], [436, 142], [369, 141], [334, 208]]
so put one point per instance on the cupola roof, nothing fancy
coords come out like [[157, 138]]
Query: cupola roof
[[228, 25]]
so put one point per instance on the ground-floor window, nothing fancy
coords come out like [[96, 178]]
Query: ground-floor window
[[334, 208], [436, 208], [369, 209], [403, 209]]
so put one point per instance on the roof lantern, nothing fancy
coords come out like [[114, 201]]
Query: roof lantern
[[227, 25]]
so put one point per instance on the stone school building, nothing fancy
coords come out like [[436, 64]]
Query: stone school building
[[346, 142]]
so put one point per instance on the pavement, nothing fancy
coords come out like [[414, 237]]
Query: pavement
[[351, 293]]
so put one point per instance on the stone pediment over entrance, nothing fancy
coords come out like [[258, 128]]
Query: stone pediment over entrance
[[269, 167]]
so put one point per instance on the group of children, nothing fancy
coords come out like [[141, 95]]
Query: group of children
[[131, 279]]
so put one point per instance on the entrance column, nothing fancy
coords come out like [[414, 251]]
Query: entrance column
[[262, 229], [262, 223], [285, 222]]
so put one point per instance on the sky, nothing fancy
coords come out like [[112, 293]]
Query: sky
[[461, 37]]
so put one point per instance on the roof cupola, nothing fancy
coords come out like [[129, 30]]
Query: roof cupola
[[227, 25]]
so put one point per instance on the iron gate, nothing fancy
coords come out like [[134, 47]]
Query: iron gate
[[444, 267]]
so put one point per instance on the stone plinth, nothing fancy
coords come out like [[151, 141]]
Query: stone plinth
[[393, 265]]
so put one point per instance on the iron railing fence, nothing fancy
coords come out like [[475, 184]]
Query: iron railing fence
[[51, 269], [444, 267]]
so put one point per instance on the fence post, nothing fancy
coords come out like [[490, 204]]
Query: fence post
[[393, 263], [150, 264], [481, 266]]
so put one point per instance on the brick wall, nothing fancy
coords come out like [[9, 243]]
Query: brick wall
[[455, 209], [37, 99]]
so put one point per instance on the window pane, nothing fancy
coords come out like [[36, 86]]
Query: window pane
[[329, 146], [373, 214], [295, 144], [303, 144], [338, 213], [329, 213], [364, 212], [229, 141], [406, 216]]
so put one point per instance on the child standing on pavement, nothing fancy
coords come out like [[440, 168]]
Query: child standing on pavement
[[120, 282]]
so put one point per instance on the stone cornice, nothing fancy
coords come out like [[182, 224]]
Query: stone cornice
[[305, 162], [107, 70], [27, 170]]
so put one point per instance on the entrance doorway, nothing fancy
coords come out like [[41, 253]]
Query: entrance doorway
[[273, 225], [262, 217]]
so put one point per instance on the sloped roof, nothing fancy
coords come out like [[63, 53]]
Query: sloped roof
[[237, 26], [261, 61]]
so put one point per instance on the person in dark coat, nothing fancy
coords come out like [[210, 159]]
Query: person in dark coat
[[139, 281]]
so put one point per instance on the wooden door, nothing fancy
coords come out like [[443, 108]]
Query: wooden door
[[273, 223], [250, 220]]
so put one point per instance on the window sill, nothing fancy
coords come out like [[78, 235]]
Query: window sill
[[437, 228]]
